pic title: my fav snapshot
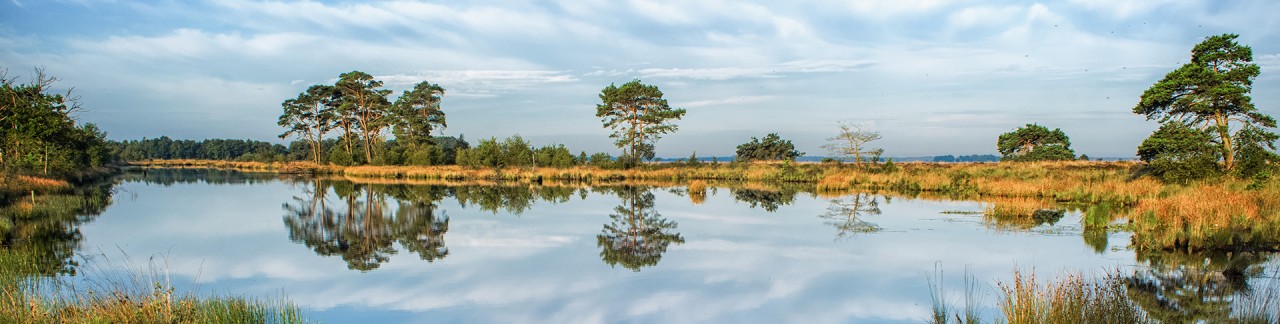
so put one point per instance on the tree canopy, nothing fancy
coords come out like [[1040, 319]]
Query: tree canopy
[[38, 131], [310, 116], [1035, 143], [357, 105], [417, 113], [772, 147], [1210, 93], [638, 116]]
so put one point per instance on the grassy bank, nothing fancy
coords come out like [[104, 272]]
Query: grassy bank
[[140, 297], [1217, 214]]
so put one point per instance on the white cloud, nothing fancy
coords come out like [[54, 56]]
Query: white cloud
[[725, 101], [983, 16], [1128, 8], [769, 71], [1268, 62], [889, 8]]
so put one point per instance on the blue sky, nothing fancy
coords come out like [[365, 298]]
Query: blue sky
[[933, 76]]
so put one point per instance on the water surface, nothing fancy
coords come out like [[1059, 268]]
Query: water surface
[[351, 252]]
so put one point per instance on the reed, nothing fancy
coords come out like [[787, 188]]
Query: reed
[[1072, 299], [1206, 216]]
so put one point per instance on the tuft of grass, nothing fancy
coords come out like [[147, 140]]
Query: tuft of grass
[[942, 311], [1072, 299]]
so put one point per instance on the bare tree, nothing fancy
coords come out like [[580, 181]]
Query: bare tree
[[852, 141]]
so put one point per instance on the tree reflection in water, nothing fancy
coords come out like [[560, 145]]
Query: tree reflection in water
[[362, 228], [768, 199], [47, 227], [845, 214], [1181, 287], [638, 236]]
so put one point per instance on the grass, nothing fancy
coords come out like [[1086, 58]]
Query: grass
[[942, 309], [103, 296], [1210, 216], [12, 186], [1072, 299]]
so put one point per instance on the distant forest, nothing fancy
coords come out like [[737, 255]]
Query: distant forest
[[260, 151]]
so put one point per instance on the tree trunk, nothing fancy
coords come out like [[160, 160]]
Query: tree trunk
[[45, 159], [368, 147], [1228, 152]]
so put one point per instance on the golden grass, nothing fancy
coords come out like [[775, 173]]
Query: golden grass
[[1209, 216], [1071, 299], [23, 184], [697, 191]]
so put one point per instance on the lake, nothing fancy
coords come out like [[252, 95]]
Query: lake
[[432, 252]]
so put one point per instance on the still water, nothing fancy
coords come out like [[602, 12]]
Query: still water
[[352, 252]]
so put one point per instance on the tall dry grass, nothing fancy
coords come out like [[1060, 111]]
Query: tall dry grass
[[1072, 299], [1207, 216]]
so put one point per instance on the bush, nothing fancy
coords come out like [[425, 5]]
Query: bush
[[340, 157], [602, 160], [772, 147], [1179, 153]]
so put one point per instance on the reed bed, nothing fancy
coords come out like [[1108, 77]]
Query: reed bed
[[16, 185], [1208, 217], [1072, 299], [141, 296]]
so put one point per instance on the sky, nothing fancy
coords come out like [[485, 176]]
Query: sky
[[933, 77]]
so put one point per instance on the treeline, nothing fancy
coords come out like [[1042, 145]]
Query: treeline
[[38, 133], [967, 158], [250, 150], [210, 149]]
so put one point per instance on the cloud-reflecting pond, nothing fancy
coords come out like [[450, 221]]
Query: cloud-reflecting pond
[[550, 253]]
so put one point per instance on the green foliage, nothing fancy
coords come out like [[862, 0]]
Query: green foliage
[[1178, 153], [602, 160], [310, 116], [365, 102], [554, 156], [638, 116], [340, 157], [511, 152], [1256, 153], [966, 158], [417, 112], [638, 236], [888, 167], [772, 147], [1035, 143], [1211, 91], [38, 133], [357, 105], [693, 160], [210, 149]]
